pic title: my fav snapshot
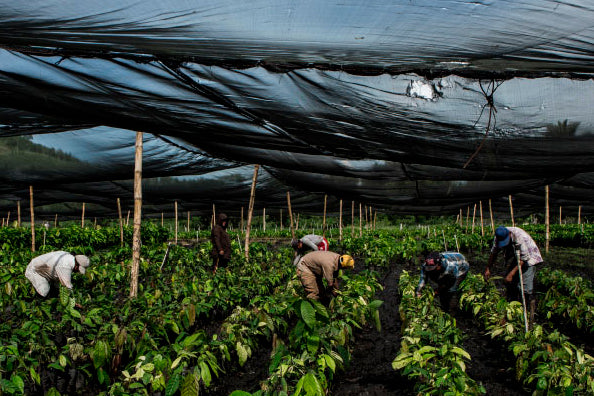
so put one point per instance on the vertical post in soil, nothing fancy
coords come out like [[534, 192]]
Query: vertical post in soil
[[19, 213], [137, 216], [340, 223], [324, 219], [374, 220], [491, 214], [175, 210], [250, 211], [8, 219], [82, 217], [481, 210], [511, 210], [188, 221], [560, 222], [461, 218], [281, 219], [264, 219], [56, 220], [547, 219], [162, 219], [95, 223], [473, 216], [360, 220], [128, 219], [32, 219], [297, 223], [579, 214], [290, 215], [352, 219], [121, 223], [213, 220], [242, 228]]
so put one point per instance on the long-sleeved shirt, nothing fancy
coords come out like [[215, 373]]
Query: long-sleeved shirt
[[53, 266], [312, 241], [453, 264], [320, 263], [520, 239]]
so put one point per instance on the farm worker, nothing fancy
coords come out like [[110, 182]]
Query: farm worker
[[55, 266], [319, 265], [510, 240], [447, 270], [307, 243], [221, 244]]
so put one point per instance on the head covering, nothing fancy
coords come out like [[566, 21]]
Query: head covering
[[295, 243], [347, 261], [502, 236], [432, 260], [83, 262], [221, 218]]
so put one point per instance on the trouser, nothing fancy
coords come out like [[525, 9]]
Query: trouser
[[313, 285], [219, 261], [514, 288], [41, 285]]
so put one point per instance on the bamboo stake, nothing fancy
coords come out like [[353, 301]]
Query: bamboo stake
[[324, 220], [511, 210], [264, 219], [340, 223], [95, 223], [281, 219], [82, 218], [481, 209], [162, 219], [56, 221], [137, 216], [461, 219], [290, 215], [128, 219], [250, 211], [121, 223], [374, 220], [214, 216], [188, 221], [579, 214], [297, 224], [32, 219], [19, 213], [8, 219], [361, 220], [352, 219], [491, 214], [175, 209], [473, 216], [547, 219], [560, 222]]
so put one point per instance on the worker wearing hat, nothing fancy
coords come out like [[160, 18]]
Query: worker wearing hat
[[310, 242], [511, 240], [53, 267], [447, 270], [314, 267]]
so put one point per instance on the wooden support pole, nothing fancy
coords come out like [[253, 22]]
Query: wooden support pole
[[297, 223], [121, 223], [128, 219], [560, 222], [19, 213], [82, 217], [290, 215], [32, 219], [242, 228], [162, 219], [547, 219], [461, 219], [375, 220], [213, 220], [188, 221], [352, 219], [511, 210], [473, 216], [481, 210], [56, 220], [137, 216], [361, 220], [491, 214], [8, 219], [324, 220], [281, 219], [264, 219], [340, 223], [176, 220], [95, 223], [580, 214], [250, 212]]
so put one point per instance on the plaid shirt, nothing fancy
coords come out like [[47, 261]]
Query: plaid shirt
[[454, 265], [529, 252]]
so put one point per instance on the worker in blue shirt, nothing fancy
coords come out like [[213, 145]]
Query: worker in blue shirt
[[447, 270]]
